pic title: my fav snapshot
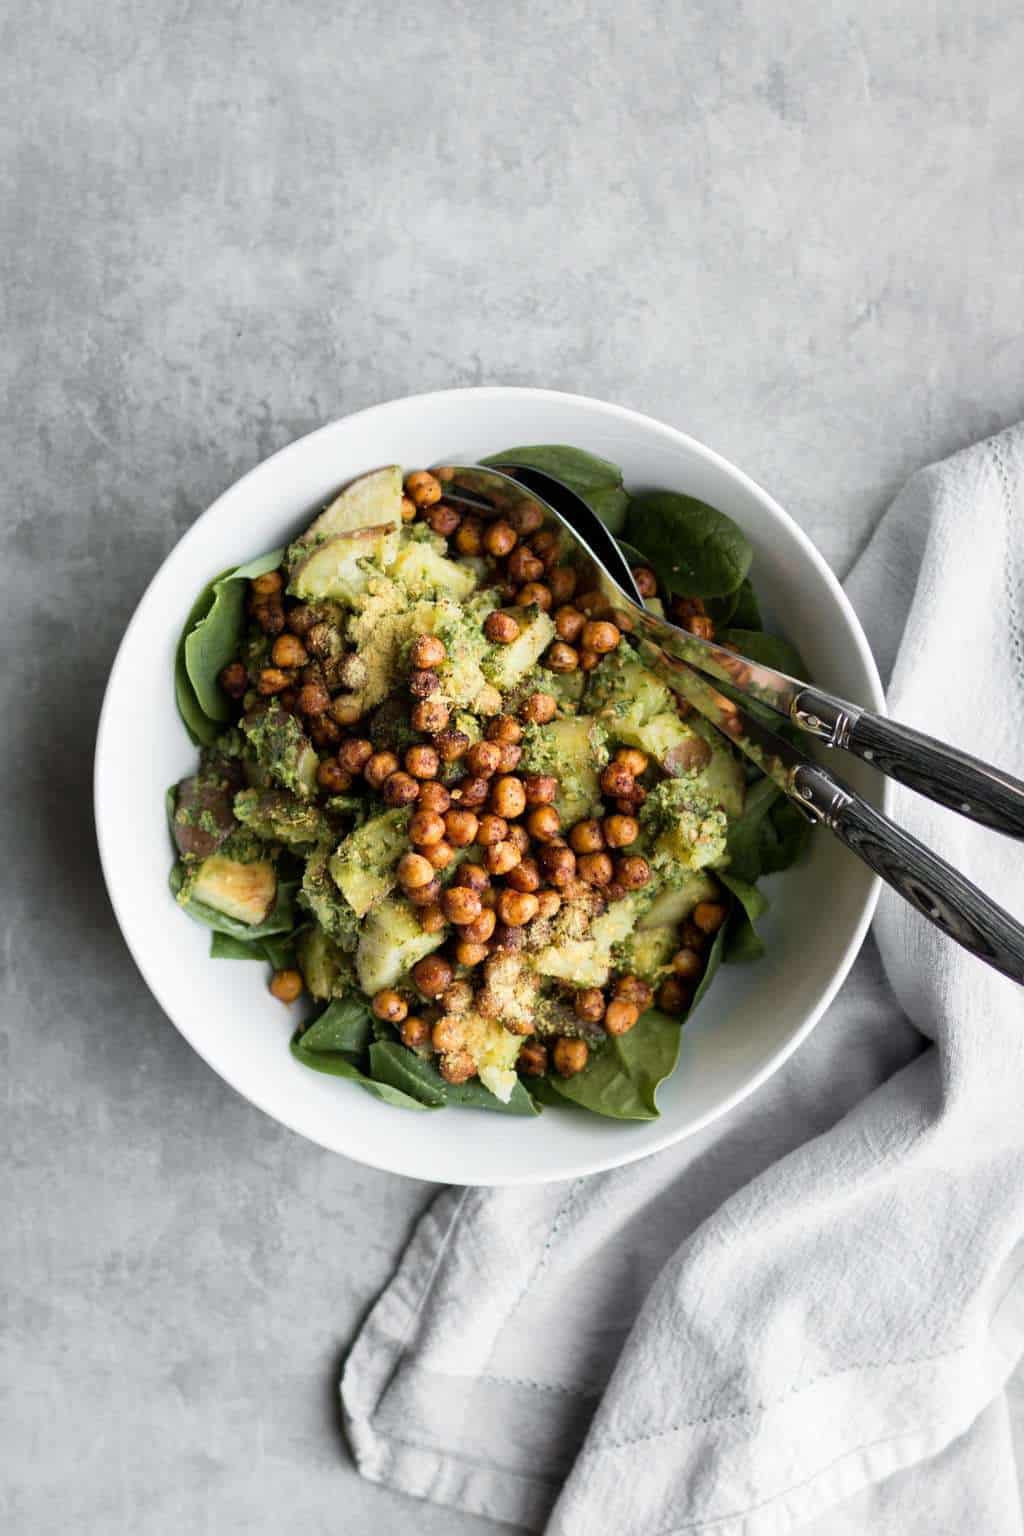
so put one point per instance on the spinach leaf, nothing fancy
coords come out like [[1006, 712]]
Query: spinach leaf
[[621, 1078], [224, 946], [393, 1063], [696, 550], [337, 1065], [597, 481], [785, 835], [743, 843], [714, 960], [742, 942], [770, 650], [739, 608], [201, 730], [280, 952], [344, 1025], [213, 641], [281, 919]]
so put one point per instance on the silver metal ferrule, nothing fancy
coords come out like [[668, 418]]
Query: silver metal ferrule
[[829, 719], [818, 795]]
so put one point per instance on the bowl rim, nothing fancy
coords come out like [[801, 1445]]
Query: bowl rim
[[623, 1153]]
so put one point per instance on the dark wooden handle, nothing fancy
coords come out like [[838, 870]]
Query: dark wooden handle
[[935, 888]]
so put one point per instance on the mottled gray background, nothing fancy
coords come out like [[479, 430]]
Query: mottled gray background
[[792, 229]]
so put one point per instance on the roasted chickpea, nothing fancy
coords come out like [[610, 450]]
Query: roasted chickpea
[[562, 582], [460, 905], [448, 1033], [422, 762], [508, 797], [534, 594], [469, 536], [399, 789], [458, 998], [709, 916], [545, 546], [491, 829], [619, 831], [511, 755], [481, 928], [390, 1006], [286, 986], [674, 995], [377, 767], [632, 990], [433, 797], [569, 624], [560, 657], [519, 838], [426, 651], [431, 918], [523, 565], [617, 781], [422, 488], [628, 804], [620, 1016], [647, 582], [332, 777], [414, 1031], [345, 711], [483, 759], [286, 699], [234, 679], [414, 870], [633, 760], [408, 509], [515, 908], [632, 871], [430, 715], [426, 828], [525, 875], [595, 868], [687, 964], [701, 626], [558, 863], [272, 680], [288, 651], [507, 939], [543, 823], [569, 1056], [501, 627], [472, 791], [301, 618], [541, 788], [502, 857], [442, 519], [533, 1059], [548, 903], [439, 855], [592, 602], [469, 954], [539, 708], [313, 699], [457, 1066], [267, 585], [588, 1005], [424, 895], [323, 732], [459, 826], [422, 682], [526, 518], [589, 660], [586, 837], [432, 975], [268, 613], [601, 636], [504, 729], [451, 745], [500, 538]]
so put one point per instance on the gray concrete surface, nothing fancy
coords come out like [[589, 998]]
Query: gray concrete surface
[[793, 230]]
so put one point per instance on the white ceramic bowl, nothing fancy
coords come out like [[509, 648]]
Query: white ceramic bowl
[[753, 1017]]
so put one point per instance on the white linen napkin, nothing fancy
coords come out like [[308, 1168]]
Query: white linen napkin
[[803, 1318]]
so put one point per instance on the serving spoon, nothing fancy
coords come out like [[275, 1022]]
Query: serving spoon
[[942, 773]]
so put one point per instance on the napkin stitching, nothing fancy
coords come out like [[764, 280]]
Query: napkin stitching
[[776, 1402], [752, 1509]]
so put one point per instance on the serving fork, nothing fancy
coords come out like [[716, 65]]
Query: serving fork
[[692, 667]]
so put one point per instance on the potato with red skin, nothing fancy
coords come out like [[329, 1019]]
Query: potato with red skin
[[203, 816]]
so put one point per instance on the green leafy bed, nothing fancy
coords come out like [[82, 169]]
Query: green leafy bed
[[696, 552]]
